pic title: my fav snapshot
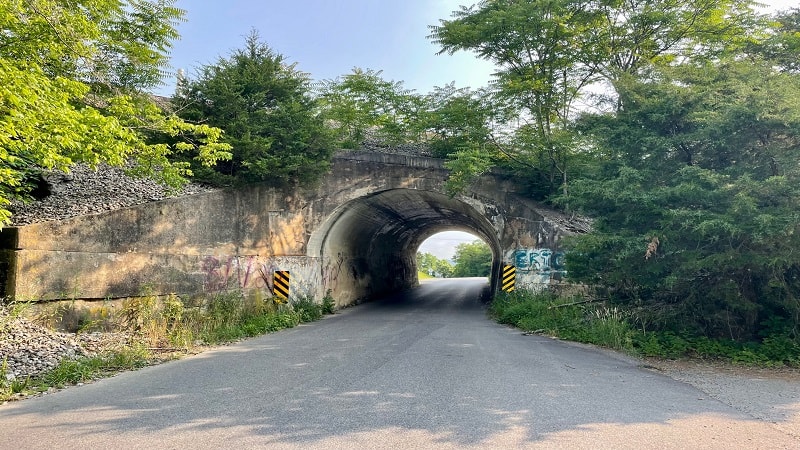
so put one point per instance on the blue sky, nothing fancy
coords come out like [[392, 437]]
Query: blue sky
[[443, 244], [329, 38]]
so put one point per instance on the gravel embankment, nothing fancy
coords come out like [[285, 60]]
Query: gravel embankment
[[29, 349], [87, 191], [372, 144]]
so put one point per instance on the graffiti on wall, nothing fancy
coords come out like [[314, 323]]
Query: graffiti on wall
[[331, 271], [254, 272], [539, 265], [229, 272], [539, 260]]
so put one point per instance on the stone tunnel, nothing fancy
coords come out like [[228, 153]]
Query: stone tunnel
[[354, 235]]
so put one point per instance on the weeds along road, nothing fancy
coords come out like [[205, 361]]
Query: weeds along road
[[422, 369]]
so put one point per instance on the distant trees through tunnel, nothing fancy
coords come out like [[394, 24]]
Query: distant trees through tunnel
[[454, 254]]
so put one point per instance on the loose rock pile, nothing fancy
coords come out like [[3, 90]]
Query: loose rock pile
[[29, 349], [88, 191]]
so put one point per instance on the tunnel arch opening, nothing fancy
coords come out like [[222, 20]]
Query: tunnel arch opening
[[445, 246], [368, 245]]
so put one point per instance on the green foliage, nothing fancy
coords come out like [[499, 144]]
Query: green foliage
[[551, 56], [268, 323], [224, 309], [228, 316], [614, 327], [223, 317], [362, 104], [328, 303], [783, 45], [540, 71], [270, 120], [109, 44], [457, 120], [231, 318], [472, 260], [307, 309], [453, 123], [706, 155], [665, 344], [545, 312], [73, 76], [433, 266], [81, 370], [458, 125], [465, 166], [771, 351]]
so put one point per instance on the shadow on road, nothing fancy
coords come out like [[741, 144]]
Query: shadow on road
[[421, 369]]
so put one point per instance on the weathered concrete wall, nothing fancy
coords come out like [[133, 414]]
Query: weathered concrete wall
[[356, 234]]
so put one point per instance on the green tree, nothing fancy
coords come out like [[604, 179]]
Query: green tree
[[362, 103], [782, 45], [539, 48], [697, 210], [457, 119], [269, 117], [434, 266], [550, 53], [73, 81], [472, 259]]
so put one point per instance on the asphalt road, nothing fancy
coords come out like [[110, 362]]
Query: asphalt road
[[424, 369]]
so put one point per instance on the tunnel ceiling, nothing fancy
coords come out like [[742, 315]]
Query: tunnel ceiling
[[396, 221]]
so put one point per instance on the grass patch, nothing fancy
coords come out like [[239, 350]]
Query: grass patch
[[173, 325], [81, 370], [574, 319], [9, 388]]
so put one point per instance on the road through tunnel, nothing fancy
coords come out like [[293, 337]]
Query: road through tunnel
[[372, 241]]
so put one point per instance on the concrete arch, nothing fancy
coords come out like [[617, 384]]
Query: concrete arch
[[376, 237], [355, 234]]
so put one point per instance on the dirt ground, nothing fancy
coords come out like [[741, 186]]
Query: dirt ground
[[768, 394]]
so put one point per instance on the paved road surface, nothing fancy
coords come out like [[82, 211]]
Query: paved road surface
[[420, 370]]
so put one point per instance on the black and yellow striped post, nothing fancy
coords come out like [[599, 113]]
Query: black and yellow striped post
[[280, 286], [509, 278]]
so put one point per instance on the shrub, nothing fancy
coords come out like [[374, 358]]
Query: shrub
[[328, 304], [610, 326], [307, 310]]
